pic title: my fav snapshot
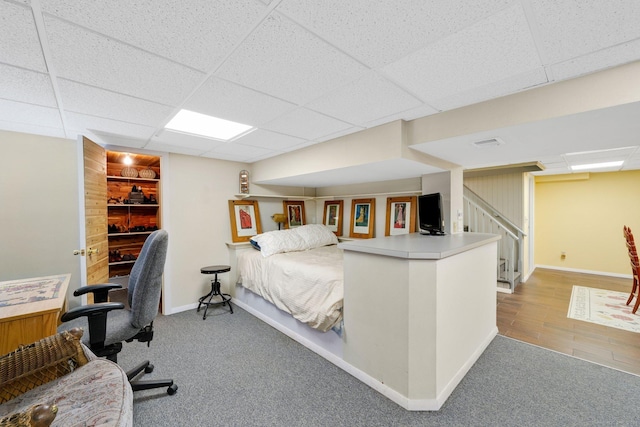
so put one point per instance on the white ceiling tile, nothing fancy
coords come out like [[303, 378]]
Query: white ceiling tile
[[159, 146], [13, 126], [368, 98], [411, 114], [239, 153], [269, 140], [89, 58], [99, 124], [82, 99], [20, 43], [21, 112], [306, 124], [282, 59], [197, 33], [342, 132], [379, 33], [487, 52], [497, 89], [220, 98], [194, 142], [568, 29], [115, 140], [21, 85], [616, 55]]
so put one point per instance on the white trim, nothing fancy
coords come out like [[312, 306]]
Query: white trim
[[176, 310], [579, 270]]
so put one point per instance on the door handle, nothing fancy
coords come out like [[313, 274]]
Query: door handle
[[78, 252], [92, 251]]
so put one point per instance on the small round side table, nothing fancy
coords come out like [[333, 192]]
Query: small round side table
[[215, 289]]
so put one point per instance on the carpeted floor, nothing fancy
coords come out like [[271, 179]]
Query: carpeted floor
[[235, 370]]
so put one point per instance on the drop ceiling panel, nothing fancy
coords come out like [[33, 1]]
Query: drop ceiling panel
[[197, 33], [83, 121], [20, 43], [21, 112], [269, 140], [22, 85], [605, 58], [81, 98], [306, 124], [492, 50], [568, 29], [368, 98], [284, 60], [363, 30], [238, 152], [177, 139], [220, 98], [83, 56], [30, 128]]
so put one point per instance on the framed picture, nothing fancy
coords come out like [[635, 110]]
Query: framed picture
[[294, 210], [401, 215], [245, 219], [332, 218], [362, 218]]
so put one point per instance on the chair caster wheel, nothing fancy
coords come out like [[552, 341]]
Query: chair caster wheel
[[172, 390], [148, 369]]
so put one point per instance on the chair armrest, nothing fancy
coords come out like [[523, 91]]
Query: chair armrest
[[100, 292], [91, 310], [96, 315]]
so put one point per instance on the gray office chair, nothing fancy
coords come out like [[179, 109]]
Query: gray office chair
[[109, 324]]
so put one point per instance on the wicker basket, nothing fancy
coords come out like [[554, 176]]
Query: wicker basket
[[39, 363], [129, 172], [147, 173]]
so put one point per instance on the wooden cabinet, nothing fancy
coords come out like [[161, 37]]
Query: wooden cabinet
[[133, 204]]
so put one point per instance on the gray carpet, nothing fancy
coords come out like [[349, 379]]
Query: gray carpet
[[235, 370]]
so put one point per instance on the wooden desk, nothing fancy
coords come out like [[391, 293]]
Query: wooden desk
[[29, 309]]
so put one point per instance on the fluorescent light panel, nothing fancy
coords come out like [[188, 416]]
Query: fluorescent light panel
[[597, 165], [211, 127]]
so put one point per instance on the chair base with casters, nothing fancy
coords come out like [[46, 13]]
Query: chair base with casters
[[147, 367], [215, 290]]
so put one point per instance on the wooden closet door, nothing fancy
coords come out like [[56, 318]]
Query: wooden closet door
[[95, 212]]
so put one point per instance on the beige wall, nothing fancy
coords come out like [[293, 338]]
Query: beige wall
[[583, 215], [39, 207]]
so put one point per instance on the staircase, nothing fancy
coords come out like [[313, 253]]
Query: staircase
[[480, 217]]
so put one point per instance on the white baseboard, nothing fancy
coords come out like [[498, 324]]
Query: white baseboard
[[579, 270], [180, 309]]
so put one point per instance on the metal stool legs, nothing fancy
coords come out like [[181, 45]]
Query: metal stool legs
[[215, 291]]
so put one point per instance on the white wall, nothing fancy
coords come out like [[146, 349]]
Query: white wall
[[39, 214]]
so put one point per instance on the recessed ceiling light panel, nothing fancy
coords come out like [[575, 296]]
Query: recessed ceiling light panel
[[208, 126], [601, 165]]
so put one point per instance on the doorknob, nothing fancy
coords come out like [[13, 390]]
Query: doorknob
[[92, 251], [79, 252]]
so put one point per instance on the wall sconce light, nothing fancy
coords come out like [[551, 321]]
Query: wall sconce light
[[244, 182]]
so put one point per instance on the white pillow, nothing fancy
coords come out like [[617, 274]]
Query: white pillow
[[316, 235], [278, 241]]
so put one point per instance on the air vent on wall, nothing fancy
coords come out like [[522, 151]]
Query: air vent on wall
[[486, 143]]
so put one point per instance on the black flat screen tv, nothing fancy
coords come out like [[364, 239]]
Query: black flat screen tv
[[430, 217]]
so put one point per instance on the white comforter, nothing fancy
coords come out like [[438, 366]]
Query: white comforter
[[306, 284]]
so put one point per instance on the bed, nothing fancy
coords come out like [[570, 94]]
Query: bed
[[300, 271]]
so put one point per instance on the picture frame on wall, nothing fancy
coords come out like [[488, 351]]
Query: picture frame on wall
[[245, 219], [294, 210], [332, 217], [401, 215], [362, 218]]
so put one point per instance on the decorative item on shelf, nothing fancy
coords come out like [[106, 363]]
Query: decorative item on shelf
[[136, 196], [244, 182], [279, 218], [147, 173], [129, 172]]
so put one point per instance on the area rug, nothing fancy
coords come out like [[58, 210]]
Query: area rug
[[603, 307]]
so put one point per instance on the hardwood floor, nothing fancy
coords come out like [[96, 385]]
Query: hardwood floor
[[537, 313]]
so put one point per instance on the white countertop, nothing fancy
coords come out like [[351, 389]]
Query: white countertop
[[420, 246]]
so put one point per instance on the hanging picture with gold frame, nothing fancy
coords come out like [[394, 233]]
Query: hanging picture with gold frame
[[332, 217], [401, 215], [245, 219], [362, 218], [294, 210]]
